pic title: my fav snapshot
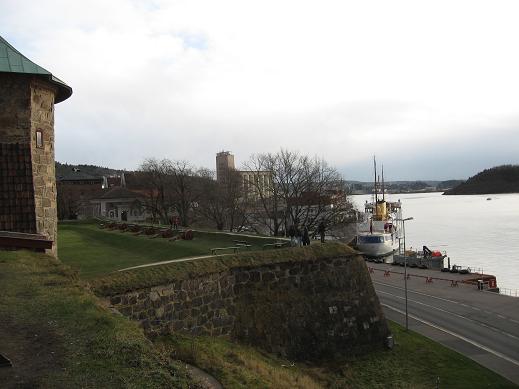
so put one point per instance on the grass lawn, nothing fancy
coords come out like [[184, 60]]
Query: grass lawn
[[415, 362], [58, 335], [94, 252]]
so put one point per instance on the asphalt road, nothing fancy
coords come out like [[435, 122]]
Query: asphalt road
[[484, 326]]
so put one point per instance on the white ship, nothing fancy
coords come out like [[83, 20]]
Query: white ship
[[378, 232]]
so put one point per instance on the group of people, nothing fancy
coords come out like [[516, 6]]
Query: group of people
[[300, 237], [297, 237], [174, 222]]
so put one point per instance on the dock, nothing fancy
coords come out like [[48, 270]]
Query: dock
[[479, 281]]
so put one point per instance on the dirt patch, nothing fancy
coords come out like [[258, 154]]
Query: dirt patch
[[204, 379], [34, 352]]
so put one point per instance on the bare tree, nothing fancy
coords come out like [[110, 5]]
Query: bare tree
[[266, 207], [212, 208], [173, 186], [186, 189], [157, 181], [222, 202], [68, 202], [233, 197], [301, 190]]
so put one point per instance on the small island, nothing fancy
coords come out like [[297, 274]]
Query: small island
[[499, 179]]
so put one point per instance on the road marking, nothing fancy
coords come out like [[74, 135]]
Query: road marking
[[445, 299], [423, 294], [472, 342], [490, 327]]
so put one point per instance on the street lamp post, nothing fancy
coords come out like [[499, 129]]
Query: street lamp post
[[405, 274]]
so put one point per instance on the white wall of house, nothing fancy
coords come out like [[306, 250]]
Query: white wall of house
[[119, 209]]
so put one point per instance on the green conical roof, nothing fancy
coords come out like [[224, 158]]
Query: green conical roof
[[12, 61]]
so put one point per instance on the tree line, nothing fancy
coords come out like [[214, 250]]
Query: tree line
[[275, 191]]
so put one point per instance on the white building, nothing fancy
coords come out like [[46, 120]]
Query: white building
[[120, 204]]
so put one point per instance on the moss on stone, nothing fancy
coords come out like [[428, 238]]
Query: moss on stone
[[130, 280]]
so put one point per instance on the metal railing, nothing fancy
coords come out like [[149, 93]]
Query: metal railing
[[509, 292]]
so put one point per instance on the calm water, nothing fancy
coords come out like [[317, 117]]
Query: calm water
[[475, 232]]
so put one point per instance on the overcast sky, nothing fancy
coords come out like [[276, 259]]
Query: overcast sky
[[430, 87]]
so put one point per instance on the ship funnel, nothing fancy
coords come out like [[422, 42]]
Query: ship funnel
[[380, 210]]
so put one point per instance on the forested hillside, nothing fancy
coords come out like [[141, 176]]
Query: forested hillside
[[62, 169], [499, 179]]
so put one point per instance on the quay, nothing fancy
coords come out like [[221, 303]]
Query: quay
[[480, 324], [489, 281]]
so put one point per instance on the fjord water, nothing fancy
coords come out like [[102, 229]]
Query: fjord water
[[474, 231]]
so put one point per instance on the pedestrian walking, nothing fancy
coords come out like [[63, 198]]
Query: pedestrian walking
[[321, 229], [299, 236], [306, 236], [292, 234]]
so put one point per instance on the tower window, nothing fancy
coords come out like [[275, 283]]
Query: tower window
[[39, 138]]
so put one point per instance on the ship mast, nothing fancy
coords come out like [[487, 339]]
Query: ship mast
[[383, 192], [375, 182]]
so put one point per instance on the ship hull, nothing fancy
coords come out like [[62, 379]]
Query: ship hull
[[376, 245]]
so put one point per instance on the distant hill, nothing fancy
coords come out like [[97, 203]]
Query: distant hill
[[499, 179], [63, 169], [449, 184]]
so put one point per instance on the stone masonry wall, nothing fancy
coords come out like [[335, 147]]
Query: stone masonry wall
[[17, 211], [302, 310], [43, 167], [15, 114], [201, 306], [16, 189], [27, 105]]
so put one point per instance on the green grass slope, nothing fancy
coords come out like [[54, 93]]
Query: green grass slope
[[93, 251], [415, 363], [59, 336]]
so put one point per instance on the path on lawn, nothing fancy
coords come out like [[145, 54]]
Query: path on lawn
[[202, 256], [173, 260]]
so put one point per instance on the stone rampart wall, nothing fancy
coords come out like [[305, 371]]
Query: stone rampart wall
[[302, 310], [43, 168]]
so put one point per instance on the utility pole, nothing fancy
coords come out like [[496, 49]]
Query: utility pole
[[405, 274]]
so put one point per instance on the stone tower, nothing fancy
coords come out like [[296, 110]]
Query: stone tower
[[224, 163], [27, 173]]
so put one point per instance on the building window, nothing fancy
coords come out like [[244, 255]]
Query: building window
[[39, 138]]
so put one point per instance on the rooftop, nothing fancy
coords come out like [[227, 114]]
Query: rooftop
[[12, 61], [78, 175], [120, 193]]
